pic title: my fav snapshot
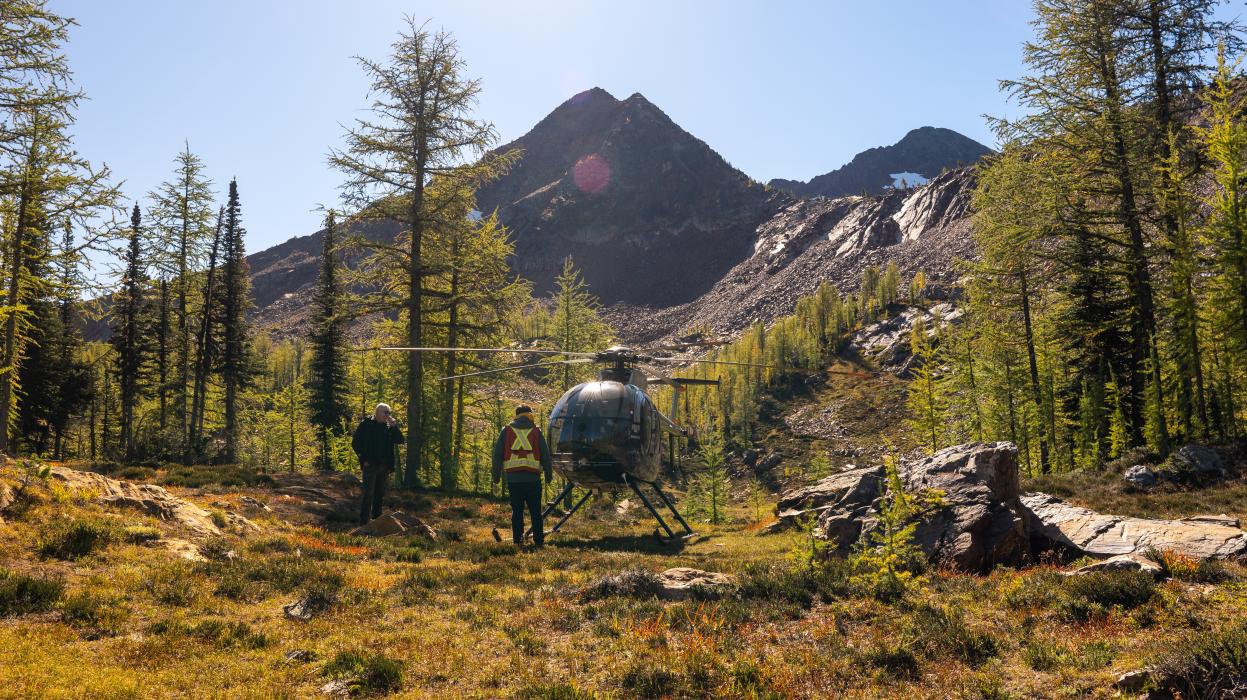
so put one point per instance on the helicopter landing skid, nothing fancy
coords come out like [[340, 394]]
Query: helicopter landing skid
[[671, 536]]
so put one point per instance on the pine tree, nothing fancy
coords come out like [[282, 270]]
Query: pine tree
[[233, 319], [129, 333], [327, 371], [206, 339]]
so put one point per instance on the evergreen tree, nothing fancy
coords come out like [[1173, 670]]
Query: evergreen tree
[[327, 371], [128, 333], [235, 290], [577, 322]]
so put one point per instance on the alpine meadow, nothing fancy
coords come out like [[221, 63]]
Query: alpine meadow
[[591, 412]]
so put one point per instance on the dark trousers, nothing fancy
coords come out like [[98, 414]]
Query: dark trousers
[[526, 494], [375, 479]]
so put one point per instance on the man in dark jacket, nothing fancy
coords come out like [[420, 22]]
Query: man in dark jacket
[[521, 453], [374, 442]]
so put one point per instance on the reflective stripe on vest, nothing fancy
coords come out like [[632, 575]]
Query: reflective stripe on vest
[[518, 452]]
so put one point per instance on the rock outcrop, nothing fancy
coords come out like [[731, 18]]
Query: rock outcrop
[[887, 342], [983, 520], [1087, 532], [980, 524], [682, 583], [148, 498]]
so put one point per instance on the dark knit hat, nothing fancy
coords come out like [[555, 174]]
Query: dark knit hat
[[522, 409]]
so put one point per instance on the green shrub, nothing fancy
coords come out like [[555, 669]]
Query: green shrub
[[894, 659], [1092, 595], [631, 583], [140, 534], [172, 584], [198, 476], [938, 632], [645, 679], [220, 633], [366, 673], [1045, 656], [217, 549], [254, 579], [101, 615], [74, 538], [1206, 665], [420, 584], [524, 639], [21, 594], [136, 474], [1033, 591]]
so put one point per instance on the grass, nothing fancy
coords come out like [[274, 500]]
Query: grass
[[1207, 665], [578, 619]]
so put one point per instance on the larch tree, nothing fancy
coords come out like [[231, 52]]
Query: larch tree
[[420, 129], [182, 213]]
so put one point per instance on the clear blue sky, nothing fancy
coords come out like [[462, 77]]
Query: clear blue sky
[[780, 89]]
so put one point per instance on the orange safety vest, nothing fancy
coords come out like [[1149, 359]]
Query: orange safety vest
[[521, 452]]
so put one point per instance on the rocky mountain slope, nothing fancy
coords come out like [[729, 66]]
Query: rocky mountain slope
[[650, 214], [810, 241], [926, 151]]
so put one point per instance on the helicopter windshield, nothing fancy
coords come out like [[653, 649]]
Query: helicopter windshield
[[592, 419]]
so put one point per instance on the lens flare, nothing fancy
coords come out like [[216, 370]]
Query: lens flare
[[591, 174]]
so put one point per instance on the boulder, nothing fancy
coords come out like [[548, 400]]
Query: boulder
[[6, 498], [887, 343], [396, 523], [982, 523], [853, 488], [1088, 532], [1140, 476], [149, 498], [1121, 562], [979, 525], [769, 462], [1199, 462], [682, 583]]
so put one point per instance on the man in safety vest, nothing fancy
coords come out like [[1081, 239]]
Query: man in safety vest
[[521, 453]]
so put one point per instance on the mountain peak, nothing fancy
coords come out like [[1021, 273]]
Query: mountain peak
[[924, 151], [605, 180]]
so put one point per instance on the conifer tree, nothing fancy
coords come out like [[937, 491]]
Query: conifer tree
[[422, 130], [182, 209], [233, 319], [129, 333], [327, 371]]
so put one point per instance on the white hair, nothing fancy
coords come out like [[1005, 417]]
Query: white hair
[[382, 407]]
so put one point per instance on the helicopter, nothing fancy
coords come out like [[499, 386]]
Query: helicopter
[[607, 434]]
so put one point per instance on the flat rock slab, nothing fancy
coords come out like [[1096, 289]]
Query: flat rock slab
[[1205, 537], [682, 583], [1121, 562], [148, 498]]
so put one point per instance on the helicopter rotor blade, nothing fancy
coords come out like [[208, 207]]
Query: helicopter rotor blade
[[575, 361], [680, 360], [532, 351]]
